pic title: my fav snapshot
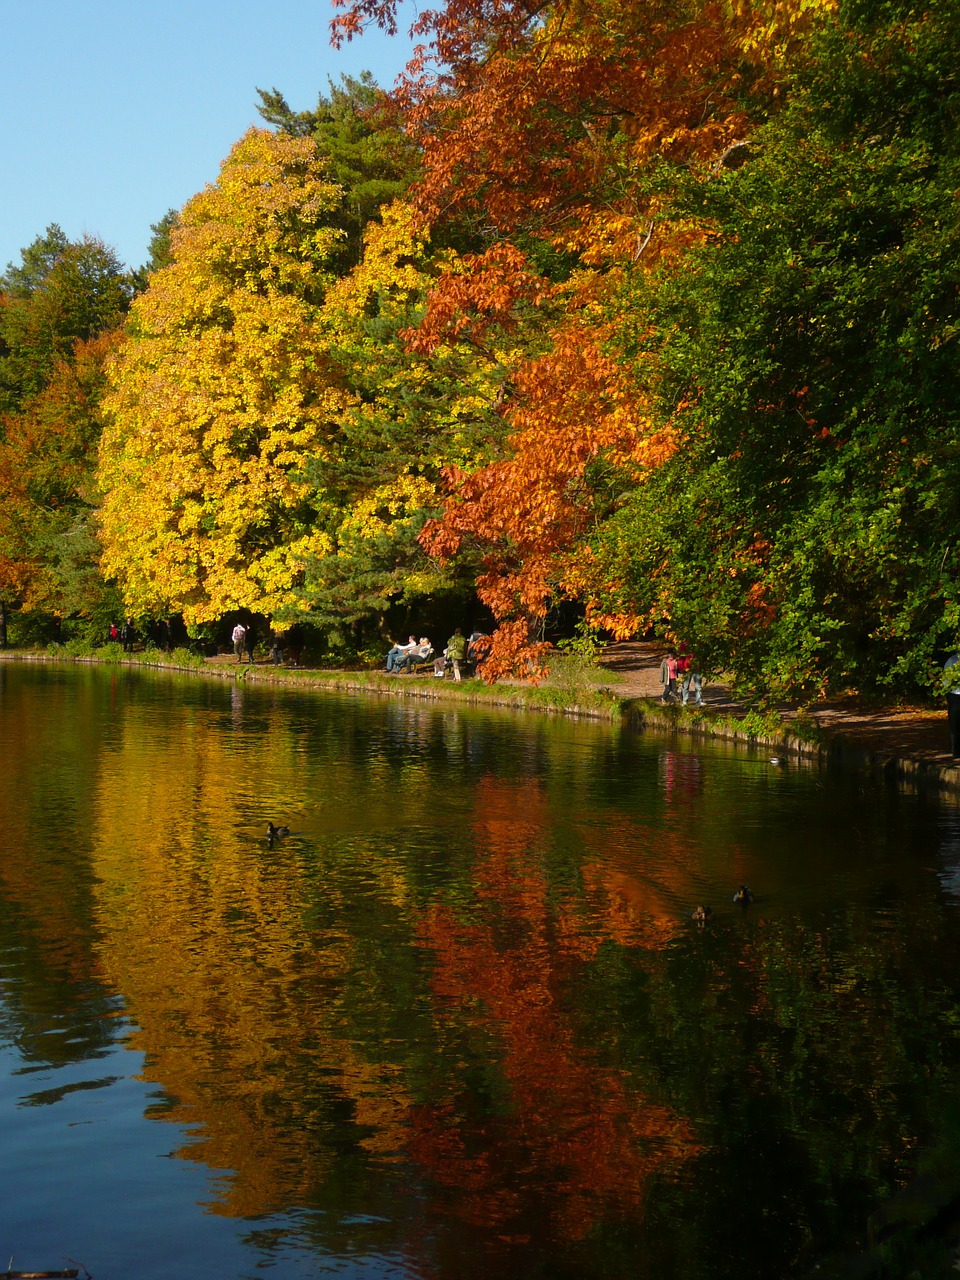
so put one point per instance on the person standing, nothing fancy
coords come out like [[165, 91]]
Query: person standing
[[951, 687], [668, 676], [238, 637], [456, 652], [128, 635], [249, 643]]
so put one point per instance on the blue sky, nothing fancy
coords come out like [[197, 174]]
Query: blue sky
[[114, 111]]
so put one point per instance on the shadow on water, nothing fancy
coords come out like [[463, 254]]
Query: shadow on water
[[459, 1020]]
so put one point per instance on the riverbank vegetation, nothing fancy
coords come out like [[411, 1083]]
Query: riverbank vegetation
[[632, 315]]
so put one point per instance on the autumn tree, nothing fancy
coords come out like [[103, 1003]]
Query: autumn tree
[[803, 534], [59, 312], [570, 408], [47, 492], [363, 148], [221, 394], [539, 115], [561, 128]]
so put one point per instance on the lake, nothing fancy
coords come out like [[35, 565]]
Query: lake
[[459, 1022]]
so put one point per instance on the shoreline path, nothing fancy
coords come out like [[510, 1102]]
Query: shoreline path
[[905, 731]]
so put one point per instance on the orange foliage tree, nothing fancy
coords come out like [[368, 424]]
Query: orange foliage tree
[[556, 127], [527, 511]]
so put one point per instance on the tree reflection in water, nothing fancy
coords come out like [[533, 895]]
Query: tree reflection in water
[[460, 1017]]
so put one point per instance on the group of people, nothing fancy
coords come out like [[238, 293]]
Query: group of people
[[680, 670], [125, 634], [459, 649], [404, 657]]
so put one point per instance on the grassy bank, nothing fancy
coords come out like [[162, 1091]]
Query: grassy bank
[[796, 734]]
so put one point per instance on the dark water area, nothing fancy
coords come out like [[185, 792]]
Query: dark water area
[[459, 1022]]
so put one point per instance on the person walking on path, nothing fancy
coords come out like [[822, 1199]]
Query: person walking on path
[[668, 676], [691, 681], [951, 687], [238, 637]]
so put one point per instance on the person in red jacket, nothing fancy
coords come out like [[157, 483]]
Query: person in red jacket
[[690, 680]]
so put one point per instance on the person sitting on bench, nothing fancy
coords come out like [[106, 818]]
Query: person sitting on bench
[[421, 652], [399, 652]]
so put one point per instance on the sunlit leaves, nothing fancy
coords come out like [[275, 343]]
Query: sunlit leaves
[[221, 394]]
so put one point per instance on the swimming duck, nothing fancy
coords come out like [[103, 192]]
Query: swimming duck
[[275, 833], [743, 897], [702, 914], [777, 760]]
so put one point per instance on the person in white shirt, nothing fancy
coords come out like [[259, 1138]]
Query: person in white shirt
[[399, 652], [419, 653]]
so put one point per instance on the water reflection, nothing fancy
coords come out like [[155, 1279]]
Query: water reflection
[[459, 1018]]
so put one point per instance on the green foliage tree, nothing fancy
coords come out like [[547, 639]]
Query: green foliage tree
[[63, 292], [410, 415], [363, 148], [59, 313], [159, 250], [803, 533]]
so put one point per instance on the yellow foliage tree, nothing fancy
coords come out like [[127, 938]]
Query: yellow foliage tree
[[223, 392]]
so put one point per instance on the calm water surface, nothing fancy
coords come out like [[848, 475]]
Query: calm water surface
[[458, 1023]]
